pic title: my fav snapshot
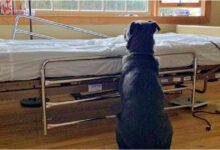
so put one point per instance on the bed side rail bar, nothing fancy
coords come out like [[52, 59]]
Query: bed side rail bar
[[46, 82], [52, 23]]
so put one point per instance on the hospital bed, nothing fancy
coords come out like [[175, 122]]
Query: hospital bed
[[206, 71], [91, 68]]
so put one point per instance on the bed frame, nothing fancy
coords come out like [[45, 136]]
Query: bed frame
[[97, 87], [204, 73]]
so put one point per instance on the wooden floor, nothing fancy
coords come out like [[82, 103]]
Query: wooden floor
[[22, 128]]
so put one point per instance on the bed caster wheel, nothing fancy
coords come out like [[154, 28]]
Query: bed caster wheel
[[32, 102]]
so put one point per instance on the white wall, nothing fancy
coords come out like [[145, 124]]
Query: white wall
[[112, 30], [215, 13]]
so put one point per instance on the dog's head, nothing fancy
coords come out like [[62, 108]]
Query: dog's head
[[139, 36]]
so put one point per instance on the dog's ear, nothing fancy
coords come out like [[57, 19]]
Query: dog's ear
[[156, 26], [134, 28]]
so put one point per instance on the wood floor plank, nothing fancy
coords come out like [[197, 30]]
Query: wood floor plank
[[22, 127]]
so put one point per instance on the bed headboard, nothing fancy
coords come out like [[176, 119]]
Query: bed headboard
[[206, 30]]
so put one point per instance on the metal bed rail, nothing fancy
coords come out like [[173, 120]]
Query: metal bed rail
[[45, 82], [193, 83], [52, 23]]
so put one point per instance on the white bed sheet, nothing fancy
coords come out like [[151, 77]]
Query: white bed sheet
[[22, 60]]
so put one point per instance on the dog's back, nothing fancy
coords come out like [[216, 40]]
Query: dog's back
[[142, 122]]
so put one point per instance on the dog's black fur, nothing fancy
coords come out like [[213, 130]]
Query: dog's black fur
[[142, 122]]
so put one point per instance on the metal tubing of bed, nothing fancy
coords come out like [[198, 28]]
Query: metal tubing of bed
[[194, 82], [51, 82], [193, 70], [19, 31], [43, 97], [45, 82], [52, 23], [177, 89], [79, 121], [15, 28], [53, 104], [177, 107]]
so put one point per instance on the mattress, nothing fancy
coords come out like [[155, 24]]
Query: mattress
[[22, 60]]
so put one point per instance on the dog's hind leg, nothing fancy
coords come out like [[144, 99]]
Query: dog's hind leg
[[120, 141], [166, 142]]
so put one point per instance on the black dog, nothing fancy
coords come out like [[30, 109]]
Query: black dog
[[142, 123]]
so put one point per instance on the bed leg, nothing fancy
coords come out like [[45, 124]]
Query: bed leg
[[43, 96], [194, 82]]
